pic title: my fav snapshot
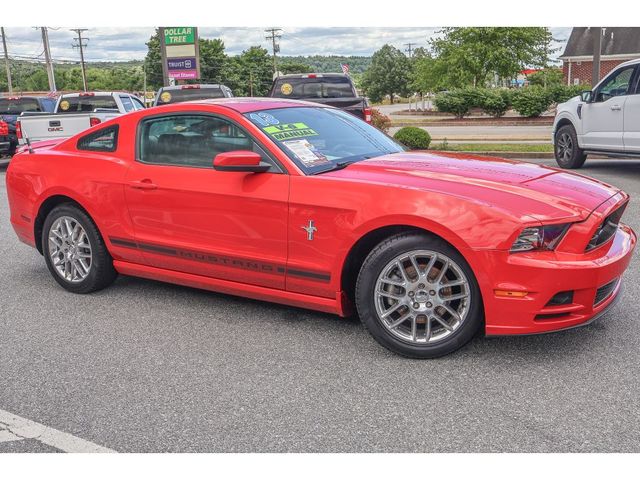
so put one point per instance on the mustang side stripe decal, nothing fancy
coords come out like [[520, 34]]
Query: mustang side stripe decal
[[221, 260]]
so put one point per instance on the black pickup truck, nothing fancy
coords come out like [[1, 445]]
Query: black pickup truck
[[12, 107], [333, 89]]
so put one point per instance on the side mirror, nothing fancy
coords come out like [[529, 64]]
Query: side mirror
[[586, 96], [240, 161]]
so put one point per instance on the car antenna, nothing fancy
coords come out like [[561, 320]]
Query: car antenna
[[28, 142]]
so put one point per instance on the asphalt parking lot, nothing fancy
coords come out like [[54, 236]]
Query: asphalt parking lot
[[149, 367]]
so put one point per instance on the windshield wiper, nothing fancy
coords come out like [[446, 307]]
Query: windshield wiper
[[342, 164]]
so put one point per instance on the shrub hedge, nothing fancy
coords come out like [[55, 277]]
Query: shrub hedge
[[529, 101], [413, 138]]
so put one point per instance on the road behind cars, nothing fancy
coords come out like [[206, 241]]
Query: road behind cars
[[145, 366]]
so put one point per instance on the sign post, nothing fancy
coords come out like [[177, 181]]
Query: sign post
[[180, 53]]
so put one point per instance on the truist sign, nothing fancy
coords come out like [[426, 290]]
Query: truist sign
[[180, 52]]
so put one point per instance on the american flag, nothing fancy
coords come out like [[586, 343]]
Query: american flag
[[345, 68]]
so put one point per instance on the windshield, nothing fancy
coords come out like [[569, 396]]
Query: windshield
[[18, 105], [321, 139], [318, 87], [184, 95]]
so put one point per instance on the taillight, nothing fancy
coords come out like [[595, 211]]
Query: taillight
[[367, 114], [93, 121], [87, 94], [4, 128], [189, 87], [19, 130]]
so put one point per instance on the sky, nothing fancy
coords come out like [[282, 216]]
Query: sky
[[128, 43]]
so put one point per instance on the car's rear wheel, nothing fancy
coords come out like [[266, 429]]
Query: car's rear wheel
[[75, 252], [418, 297], [568, 153]]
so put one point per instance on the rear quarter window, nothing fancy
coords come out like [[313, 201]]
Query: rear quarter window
[[104, 140]]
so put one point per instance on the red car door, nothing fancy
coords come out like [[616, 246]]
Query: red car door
[[191, 218]]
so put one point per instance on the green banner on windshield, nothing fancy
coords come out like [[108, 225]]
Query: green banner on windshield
[[287, 131]]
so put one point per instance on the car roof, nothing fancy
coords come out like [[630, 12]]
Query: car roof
[[253, 104], [630, 62], [200, 85], [93, 94], [305, 75]]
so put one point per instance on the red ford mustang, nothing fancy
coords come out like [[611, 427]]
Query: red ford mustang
[[308, 206]]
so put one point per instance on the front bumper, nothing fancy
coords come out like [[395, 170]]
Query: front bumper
[[594, 278]]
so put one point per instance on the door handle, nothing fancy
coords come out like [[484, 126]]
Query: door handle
[[616, 107], [145, 184]]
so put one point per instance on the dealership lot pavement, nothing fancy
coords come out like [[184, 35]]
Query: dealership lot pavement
[[146, 366]]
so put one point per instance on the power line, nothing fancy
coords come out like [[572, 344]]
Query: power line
[[81, 45], [274, 34], [409, 48]]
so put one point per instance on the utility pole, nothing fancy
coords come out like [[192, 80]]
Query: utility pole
[[409, 48], [597, 48], [6, 60], [250, 83], [274, 34], [47, 58], [81, 46]]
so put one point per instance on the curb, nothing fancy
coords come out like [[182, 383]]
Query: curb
[[547, 155]]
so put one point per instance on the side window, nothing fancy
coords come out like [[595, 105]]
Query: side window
[[127, 103], [616, 85], [137, 103], [191, 140], [104, 140]]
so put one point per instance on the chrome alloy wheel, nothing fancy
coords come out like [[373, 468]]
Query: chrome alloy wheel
[[70, 249], [564, 147], [422, 296]]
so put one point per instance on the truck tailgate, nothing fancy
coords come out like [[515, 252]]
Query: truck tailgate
[[45, 127]]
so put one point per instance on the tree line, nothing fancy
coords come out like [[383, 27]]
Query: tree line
[[457, 58]]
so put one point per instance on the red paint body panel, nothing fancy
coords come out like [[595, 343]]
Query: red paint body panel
[[242, 233]]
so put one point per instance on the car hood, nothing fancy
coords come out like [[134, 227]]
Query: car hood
[[523, 189]]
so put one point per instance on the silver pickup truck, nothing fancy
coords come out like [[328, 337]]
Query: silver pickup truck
[[74, 112]]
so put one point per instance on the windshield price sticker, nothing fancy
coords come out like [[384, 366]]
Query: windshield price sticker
[[64, 105], [289, 130], [286, 89], [306, 152]]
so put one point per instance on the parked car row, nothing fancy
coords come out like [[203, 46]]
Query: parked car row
[[32, 119]]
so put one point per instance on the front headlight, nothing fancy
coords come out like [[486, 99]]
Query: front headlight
[[540, 238]]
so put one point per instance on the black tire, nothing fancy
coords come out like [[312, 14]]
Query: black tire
[[567, 152], [365, 298], [101, 274]]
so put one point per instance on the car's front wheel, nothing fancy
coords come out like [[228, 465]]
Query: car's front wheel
[[418, 297], [568, 153], [75, 252]]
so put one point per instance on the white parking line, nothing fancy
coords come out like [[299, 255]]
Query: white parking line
[[13, 427]]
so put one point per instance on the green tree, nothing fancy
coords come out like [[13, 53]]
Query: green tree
[[153, 62], [294, 67], [389, 74], [250, 73], [213, 60], [477, 53], [547, 77]]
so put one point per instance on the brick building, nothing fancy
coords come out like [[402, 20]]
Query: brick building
[[619, 44]]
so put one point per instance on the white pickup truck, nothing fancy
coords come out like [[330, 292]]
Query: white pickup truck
[[604, 121], [73, 113]]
